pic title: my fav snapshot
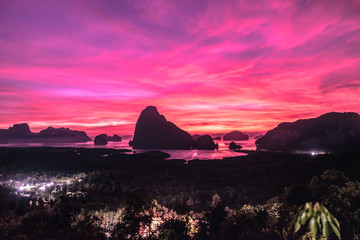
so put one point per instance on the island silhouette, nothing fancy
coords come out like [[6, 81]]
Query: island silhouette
[[330, 132], [295, 163]]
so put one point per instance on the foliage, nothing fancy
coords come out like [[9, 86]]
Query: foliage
[[297, 194], [136, 217], [136, 198], [173, 229], [342, 198], [320, 222]]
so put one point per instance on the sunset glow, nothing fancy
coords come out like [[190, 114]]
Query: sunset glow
[[209, 66]]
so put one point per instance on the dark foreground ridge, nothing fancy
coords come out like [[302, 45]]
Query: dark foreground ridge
[[331, 132]]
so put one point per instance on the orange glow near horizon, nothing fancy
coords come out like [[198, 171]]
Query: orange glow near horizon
[[208, 66]]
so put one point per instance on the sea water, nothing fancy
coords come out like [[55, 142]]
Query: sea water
[[193, 154]]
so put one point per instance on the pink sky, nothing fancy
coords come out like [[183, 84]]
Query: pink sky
[[208, 65]]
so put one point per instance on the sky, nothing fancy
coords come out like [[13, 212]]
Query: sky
[[208, 65]]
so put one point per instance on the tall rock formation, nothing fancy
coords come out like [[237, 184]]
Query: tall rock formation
[[205, 142], [153, 131]]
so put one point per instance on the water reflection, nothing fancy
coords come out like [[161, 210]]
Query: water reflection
[[220, 153]]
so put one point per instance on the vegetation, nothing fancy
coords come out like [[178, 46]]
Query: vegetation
[[132, 197], [321, 223]]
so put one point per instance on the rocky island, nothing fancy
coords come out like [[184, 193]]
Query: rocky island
[[153, 131], [235, 136], [103, 139], [205, 142], [233, 146], [20, 133], [331, 132]]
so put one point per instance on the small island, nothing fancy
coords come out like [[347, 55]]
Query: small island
[[235, 136]]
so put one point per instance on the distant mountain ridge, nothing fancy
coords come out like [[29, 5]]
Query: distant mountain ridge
[[22, 133], [17, 130], [329, 132]]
